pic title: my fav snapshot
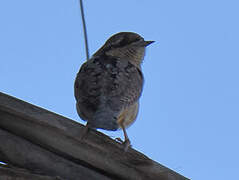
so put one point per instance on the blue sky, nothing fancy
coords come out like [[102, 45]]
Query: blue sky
[[189, 113]]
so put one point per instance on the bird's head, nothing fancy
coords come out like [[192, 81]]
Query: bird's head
[[125, 45]]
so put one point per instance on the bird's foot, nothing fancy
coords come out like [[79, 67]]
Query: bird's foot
[[84, 133], [126, 145], [118, 139]]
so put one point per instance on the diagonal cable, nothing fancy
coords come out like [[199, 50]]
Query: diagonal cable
[[84, 29]]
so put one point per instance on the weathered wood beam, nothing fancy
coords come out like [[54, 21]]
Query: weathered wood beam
[[22, 153], [15, 174], [60, 136]]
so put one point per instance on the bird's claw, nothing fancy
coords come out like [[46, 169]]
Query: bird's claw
[[118, 139], [126, 145]]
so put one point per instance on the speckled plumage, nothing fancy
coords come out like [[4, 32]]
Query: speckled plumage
[[108, 86], [105, 87]]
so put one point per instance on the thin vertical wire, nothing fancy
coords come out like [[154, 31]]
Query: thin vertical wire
[[84, 30]]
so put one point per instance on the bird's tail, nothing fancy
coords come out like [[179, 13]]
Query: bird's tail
[[105, 118]]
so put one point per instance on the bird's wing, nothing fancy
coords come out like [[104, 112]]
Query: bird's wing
[[87, 89], [125, 83], [107, 82]]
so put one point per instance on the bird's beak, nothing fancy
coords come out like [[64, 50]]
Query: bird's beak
[[146, 43], [143, 43]]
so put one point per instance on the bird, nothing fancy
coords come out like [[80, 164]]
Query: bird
[[108, 86]]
